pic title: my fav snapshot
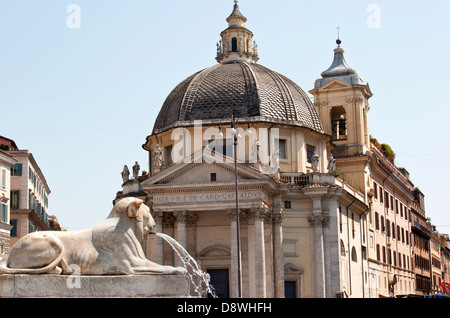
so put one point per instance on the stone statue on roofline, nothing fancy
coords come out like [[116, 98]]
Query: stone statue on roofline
[[158, 157], [315, 162], [125, 174], [331, 164], [136, 169]]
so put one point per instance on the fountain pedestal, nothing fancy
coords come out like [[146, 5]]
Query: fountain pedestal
[[59, 286]]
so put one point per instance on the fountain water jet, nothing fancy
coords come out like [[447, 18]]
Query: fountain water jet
[[191, 265]]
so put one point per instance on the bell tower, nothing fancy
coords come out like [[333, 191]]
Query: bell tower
[[341, 99], [237, 41]]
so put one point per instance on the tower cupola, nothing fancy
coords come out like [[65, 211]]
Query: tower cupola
[[342, 98], [340, 70]]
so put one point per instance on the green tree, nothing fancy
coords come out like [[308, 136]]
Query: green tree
[[388, 152]]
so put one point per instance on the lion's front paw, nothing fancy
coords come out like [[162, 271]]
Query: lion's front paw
[[179, 271]]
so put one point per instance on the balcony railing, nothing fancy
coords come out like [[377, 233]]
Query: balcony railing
[[296, 178], [42, 215], [302, 180]]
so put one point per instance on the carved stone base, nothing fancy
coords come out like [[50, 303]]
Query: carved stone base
[[58, 286], [132, 187]]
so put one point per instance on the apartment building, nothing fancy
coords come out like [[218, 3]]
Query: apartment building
[[421, 234], [390, 258], [29, 193], [6, 161], [445, 262], [436, 261]]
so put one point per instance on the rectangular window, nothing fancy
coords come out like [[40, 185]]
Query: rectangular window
[[309, 153], [31, 227], [353, 225], [3, 181], [281, 146], [377, 221], [213, 177], [375, 190], [168, 155], [287, 204], [14, 199], [14, 228], [16, 170], [386, 199], [4, 213], [225, 147]]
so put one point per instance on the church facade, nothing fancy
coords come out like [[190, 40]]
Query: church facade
[[272, 194]]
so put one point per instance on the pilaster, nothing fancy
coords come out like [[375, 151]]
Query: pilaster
[[181, 217], [277, 219], [259, 215]]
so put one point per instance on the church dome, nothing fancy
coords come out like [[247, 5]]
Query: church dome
[[237, 86], [241, 89]]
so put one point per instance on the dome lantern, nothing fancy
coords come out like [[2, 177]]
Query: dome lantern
[[237, 41]]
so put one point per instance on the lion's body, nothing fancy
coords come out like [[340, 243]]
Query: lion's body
[[112, 247]]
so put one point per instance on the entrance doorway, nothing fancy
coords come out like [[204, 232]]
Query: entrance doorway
[[290, 289], [220, 282]]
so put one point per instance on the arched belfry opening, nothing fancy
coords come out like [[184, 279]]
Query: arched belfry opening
[[339, 123]]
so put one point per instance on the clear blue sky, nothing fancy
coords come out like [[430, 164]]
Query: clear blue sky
[[83, 100]]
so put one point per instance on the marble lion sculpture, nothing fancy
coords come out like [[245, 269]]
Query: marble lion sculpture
[[113, 247]]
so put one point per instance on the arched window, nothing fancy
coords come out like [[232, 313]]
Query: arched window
[[342, 249], [234, 46], [354, 256]]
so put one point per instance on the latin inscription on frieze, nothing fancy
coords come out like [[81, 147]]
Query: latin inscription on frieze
[[206, 197]]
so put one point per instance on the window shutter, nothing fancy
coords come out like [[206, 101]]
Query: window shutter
[[3, 179]]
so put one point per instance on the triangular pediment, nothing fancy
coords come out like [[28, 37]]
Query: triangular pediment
[[198, 169], [335, 84], [292, 269]]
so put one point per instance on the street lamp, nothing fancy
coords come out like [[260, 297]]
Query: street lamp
[[236, 135]]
